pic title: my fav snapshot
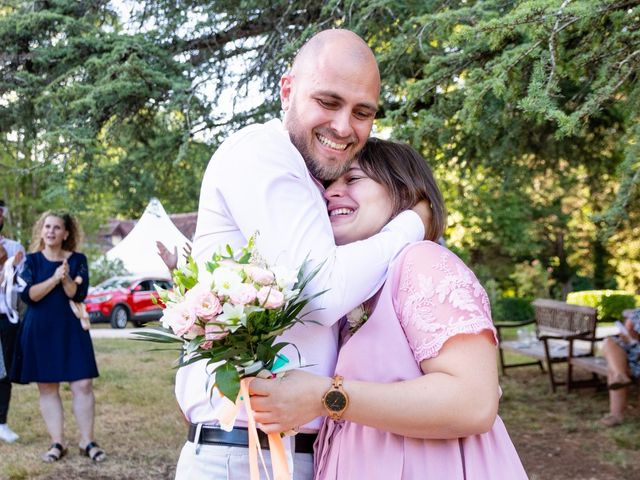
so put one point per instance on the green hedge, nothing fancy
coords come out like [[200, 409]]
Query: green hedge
[[608, 303], [511, 309]]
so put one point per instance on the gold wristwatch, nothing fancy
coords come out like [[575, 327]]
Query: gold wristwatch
[[336, 399]]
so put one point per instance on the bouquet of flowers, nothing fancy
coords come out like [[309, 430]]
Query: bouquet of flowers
[[230, 314]]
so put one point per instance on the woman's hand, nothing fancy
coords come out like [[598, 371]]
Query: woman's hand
[[286, 402], [61, 272], [60, 276]]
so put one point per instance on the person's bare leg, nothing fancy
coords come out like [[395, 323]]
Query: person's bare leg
[[618, 374], [83, 409], [616, 361], [51, 410], [618, 402]]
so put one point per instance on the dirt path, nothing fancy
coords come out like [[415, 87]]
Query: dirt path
[[558, 435]]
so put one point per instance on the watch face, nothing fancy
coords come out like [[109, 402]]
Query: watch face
[[335, 401]]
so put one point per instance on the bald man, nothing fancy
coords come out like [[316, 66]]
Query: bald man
[[267, 178]]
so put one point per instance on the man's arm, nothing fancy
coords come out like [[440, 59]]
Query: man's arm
[[262, 184]]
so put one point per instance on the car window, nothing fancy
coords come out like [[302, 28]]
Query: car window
[[145, 285], [113, 283]]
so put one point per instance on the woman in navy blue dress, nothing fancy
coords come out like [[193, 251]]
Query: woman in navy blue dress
[[52, 345]]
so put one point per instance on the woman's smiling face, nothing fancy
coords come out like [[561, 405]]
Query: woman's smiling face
[[53, 232], [358, 206]]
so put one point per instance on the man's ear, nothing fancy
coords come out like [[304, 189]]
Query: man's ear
[[285, 91]]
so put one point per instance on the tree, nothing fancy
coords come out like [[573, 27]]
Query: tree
[[518, 92], [503, 96]]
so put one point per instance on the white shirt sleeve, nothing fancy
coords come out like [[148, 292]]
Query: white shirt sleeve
[[257, 181], [10, 283]]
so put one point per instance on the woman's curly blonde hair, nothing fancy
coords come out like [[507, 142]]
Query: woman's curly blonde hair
[[71, 225]]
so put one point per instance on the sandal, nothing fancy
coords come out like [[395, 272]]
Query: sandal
[[94, 452], [611, 420], [55, 453]]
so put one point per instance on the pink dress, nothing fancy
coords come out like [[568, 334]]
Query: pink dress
[[430, 297]]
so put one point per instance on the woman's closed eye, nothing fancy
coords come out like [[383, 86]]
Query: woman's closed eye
[[354, 179]]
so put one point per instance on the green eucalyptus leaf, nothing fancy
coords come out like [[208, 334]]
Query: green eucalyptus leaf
[[228, 381]]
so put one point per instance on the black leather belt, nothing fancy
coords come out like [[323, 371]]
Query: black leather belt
[[238, 437]]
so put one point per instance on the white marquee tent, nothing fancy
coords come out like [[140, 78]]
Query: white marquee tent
[[138, 249]]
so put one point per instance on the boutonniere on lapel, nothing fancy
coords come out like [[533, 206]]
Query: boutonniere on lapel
[[357, 317]]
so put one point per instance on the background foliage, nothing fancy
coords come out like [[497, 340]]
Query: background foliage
[[527, 110], [608, 303]]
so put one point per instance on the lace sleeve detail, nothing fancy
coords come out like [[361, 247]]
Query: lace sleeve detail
[[438, 297]]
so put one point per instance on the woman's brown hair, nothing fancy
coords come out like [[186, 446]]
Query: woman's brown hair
[[408, 178], [71, 225]]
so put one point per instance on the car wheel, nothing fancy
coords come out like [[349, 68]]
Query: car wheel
[[119, 317]]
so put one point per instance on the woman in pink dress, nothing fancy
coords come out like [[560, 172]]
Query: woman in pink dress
[[419, 385]]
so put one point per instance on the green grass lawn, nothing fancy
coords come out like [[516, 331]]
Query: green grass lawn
[[137, 420]]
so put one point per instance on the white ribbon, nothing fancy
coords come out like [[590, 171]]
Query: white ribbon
[[11, 285]]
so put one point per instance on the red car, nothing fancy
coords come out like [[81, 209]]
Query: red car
[[119, 300]]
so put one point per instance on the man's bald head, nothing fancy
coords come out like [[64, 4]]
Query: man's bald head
[[340, 42], [330, 98]]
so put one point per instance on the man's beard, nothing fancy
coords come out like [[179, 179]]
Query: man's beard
[[318, 170], [303, 145]]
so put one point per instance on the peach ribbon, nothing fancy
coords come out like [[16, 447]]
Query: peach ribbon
[[279, 465]]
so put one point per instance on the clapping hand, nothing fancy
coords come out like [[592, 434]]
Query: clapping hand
[[186, 250], [62, 271], [17, 258], [170, 258]]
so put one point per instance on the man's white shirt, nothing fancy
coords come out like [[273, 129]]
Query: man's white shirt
[[258, 181]]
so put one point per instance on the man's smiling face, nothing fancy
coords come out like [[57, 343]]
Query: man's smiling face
[[330, 103]]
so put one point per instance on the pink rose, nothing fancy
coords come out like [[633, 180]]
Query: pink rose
[[270, 298], [205, 304], [243, 294], [180, 318], [214, 332], [260, 275]]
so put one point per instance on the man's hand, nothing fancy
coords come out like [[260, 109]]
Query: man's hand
[[3, 255], [286, 402], [423, 209]]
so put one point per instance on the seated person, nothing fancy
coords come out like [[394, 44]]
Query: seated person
[[623, 359]]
